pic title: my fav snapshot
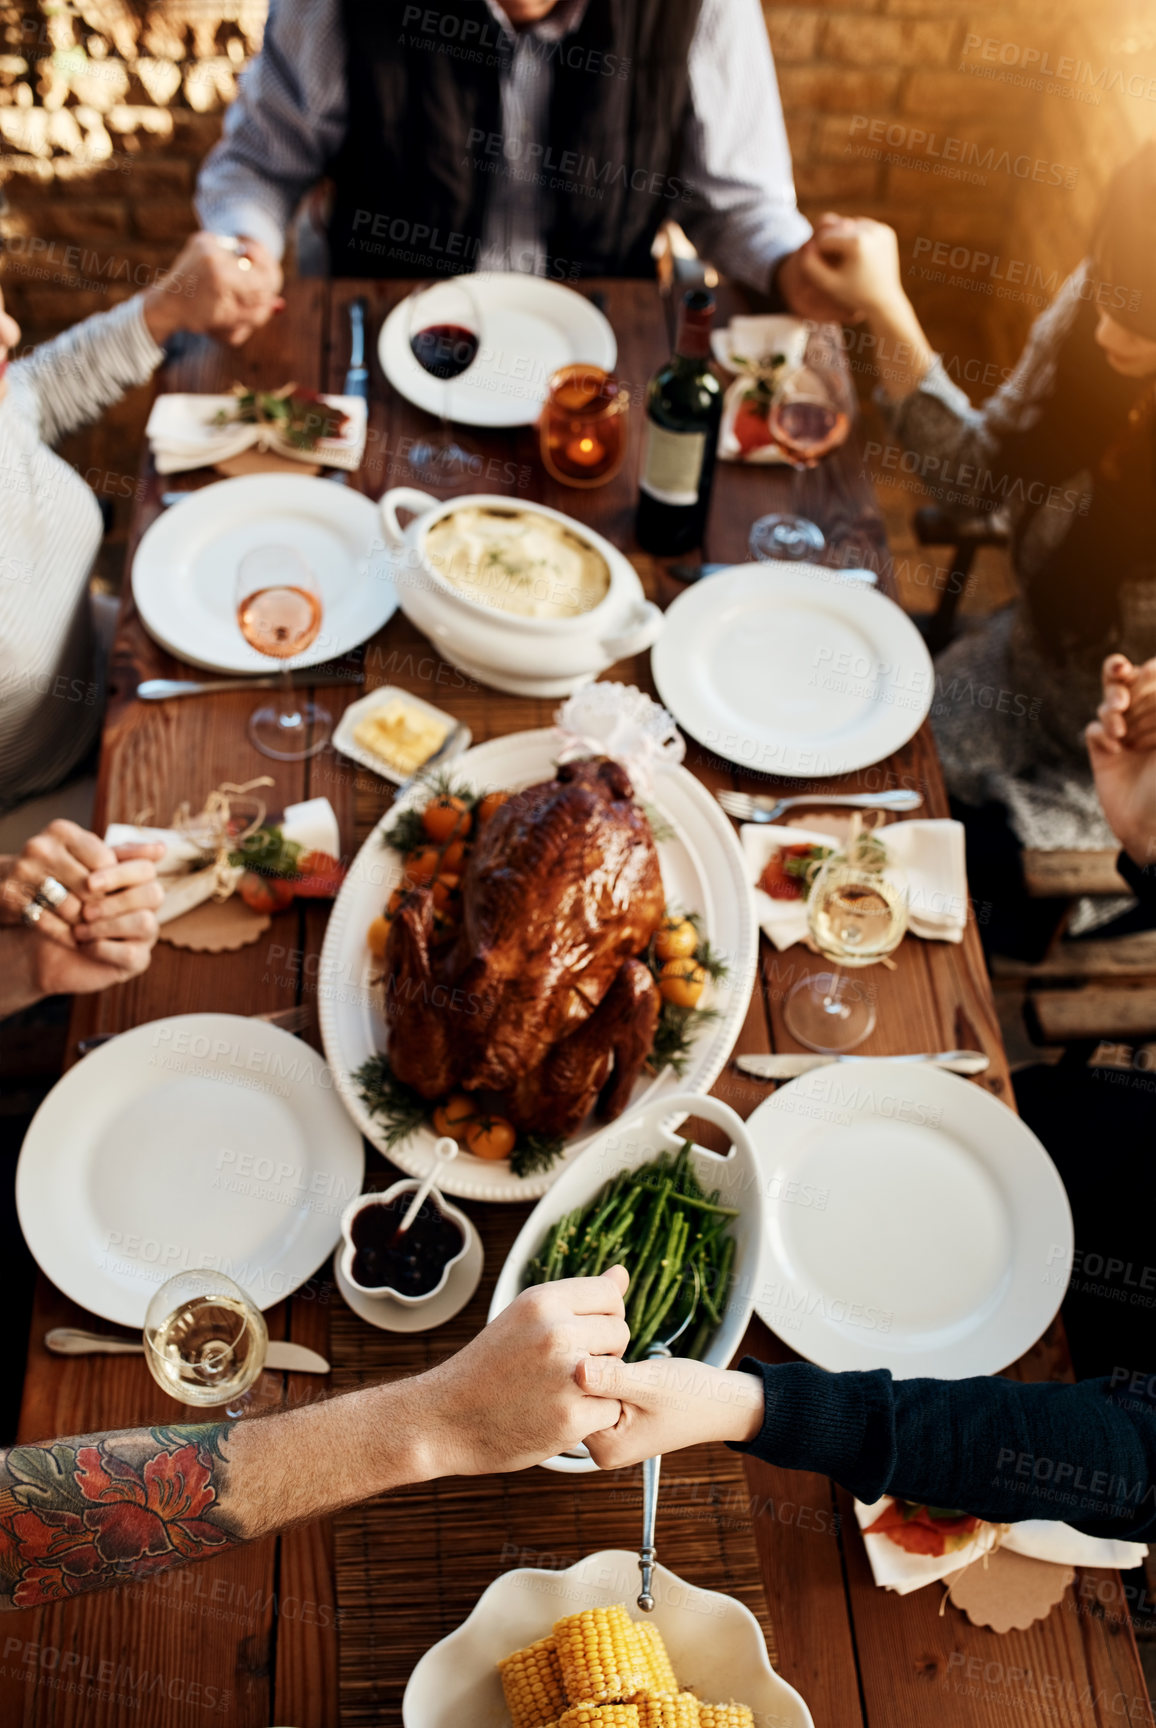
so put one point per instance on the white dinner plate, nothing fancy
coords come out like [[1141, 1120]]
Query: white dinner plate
[[185, 569], [793, 670], [200, 1140], [715, 1644], [914, 1222], [530, 328], [703, 870]]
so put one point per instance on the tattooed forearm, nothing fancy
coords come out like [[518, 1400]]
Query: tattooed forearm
[[84, 1513]]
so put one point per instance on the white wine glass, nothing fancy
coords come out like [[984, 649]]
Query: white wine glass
[[205, 1340], [857, 913], [279, 611]]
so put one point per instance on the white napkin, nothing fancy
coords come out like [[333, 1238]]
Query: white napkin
[[929, 853], [181, 434], [1035, 1538], [747, 347], [311, 824]]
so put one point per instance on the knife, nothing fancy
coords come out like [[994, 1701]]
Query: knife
[[163, 689], [791, 1066], [68, 1341], [357, 378]]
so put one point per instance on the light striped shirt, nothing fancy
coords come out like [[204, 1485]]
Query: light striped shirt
[[290, 118], [51, 689]]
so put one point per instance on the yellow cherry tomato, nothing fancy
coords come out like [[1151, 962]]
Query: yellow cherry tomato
[[454, 1115], [677, 940], [379, 937], [682, 982], [491, 1137]]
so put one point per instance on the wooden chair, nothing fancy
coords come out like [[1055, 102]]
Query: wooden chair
[[1096, 988], [966, 535]]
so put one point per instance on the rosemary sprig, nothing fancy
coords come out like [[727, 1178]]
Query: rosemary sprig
[[406, 833], [535, 1153], [400, 1109]]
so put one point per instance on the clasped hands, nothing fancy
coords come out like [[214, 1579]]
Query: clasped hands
[[1122, 747], [103, 931], [548, 1374]]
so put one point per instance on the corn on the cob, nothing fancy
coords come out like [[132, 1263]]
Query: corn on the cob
[[668, 1710], [532, 1682], [663, 1677], [600, 1716], [725, 1716], [602, 1656]]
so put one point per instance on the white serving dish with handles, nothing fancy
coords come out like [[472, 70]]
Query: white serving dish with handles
[[524, 656], [634, 1140]]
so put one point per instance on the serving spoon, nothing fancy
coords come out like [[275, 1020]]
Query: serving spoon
[[651, 1468]]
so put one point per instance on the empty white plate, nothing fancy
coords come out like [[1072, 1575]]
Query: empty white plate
[[788, 669], [530, 328], [913, 1222], [200, 1140], [185, 570]]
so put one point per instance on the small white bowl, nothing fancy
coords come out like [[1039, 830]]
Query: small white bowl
[[386, 1292], [346, 743], [715, 1643]]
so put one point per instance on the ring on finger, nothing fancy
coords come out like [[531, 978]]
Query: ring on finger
[[50, 895], [32, 913]]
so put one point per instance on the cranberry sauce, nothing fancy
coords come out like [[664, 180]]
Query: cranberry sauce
[[411, 1264]]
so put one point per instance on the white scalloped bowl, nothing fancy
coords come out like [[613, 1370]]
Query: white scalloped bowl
[[715, 1643]]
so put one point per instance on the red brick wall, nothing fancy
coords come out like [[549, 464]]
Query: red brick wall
[[107, 108]]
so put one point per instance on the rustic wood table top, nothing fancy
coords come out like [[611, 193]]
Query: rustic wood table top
[[258, 1641]]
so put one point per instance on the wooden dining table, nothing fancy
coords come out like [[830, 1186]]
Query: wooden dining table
[[321, 1625]]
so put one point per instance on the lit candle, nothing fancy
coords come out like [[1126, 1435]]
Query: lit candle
[[585, 452]]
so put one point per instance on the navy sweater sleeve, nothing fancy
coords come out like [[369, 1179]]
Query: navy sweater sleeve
[[1084, 1454]]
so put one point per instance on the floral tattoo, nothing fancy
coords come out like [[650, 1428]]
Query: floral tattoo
[[77, 1515]]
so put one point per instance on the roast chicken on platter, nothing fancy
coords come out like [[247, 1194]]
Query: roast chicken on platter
[[540, 1000]]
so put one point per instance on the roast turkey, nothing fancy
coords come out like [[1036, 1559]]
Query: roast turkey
[[540, 1001]]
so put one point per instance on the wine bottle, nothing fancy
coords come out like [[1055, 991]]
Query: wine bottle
[[683, 414]]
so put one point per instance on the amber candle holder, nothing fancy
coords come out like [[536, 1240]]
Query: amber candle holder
[[584, 426]]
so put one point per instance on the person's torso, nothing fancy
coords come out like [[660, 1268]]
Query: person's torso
[[443, 104]]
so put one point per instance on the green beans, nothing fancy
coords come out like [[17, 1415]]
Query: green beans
[[674, 1240]]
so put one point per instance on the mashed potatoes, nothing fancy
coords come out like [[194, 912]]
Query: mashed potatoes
[[517, 561]]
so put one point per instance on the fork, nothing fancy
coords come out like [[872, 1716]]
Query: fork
[[745, 808], [293, 1019]]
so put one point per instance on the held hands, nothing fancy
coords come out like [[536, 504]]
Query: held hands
[[668, 1404], [213, 291], [1122, 746], [854, 263], [104, 930], [512, 1397]]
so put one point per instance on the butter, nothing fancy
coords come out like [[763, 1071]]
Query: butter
[[402, 735]]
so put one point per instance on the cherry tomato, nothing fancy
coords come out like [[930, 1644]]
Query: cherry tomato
[[379, 937], [423, 865], [677, 939], [751, 428], [265, 893], [491, 802], [447, 818], [447, 894], [682, 982], [454, 1115], [454, 858], [491, 1137], [318, 876]]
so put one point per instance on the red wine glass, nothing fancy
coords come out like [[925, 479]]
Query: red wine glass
[[445, 333]]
